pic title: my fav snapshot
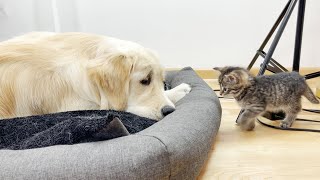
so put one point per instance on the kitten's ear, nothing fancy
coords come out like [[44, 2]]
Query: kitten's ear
[[231, 79], [217, 69]]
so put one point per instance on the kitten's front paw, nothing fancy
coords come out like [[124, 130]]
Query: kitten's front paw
[[248, 126], [285, 124], [178, 92], [241, 120]]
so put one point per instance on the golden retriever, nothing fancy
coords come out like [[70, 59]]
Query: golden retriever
[[45, 72]]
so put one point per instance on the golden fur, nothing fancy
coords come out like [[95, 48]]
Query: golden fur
[[46, 72]]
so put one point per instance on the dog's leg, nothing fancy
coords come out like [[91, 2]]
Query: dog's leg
[[178, 92]]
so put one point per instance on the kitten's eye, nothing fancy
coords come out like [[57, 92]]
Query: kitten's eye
[[146, 81]]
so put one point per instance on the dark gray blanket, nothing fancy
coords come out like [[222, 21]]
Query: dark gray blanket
[[68, 128]]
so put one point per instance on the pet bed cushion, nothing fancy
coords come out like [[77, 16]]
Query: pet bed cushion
[[68, 128], [174, 148]]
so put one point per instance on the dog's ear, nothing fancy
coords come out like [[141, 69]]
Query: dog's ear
[[111, 76]]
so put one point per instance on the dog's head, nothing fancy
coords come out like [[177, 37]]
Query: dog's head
[[130, 81]]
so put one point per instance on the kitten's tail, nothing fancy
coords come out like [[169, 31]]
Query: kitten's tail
[[310, 96]]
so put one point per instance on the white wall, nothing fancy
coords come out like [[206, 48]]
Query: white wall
[[197, 33], [18, 17]]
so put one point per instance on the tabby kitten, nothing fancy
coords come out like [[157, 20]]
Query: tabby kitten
[[272, 93]]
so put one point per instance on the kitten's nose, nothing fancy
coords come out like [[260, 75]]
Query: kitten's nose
[[221, 92], [165, 110]]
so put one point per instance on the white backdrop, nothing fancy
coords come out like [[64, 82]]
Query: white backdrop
[[197, 33]]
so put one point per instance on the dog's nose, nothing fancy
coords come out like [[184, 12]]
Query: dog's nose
[[167, 110]]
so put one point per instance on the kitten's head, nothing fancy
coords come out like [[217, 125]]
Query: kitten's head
[[233, 79]]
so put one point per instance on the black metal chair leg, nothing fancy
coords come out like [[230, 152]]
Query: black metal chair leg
[[312, 75], [298, 40]]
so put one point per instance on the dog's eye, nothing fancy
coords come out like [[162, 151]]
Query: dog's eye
[[146, 81]]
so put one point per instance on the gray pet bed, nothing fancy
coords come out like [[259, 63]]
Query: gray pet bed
[[174, 148]]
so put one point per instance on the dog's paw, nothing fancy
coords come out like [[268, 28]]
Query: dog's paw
[[181, 91], [178, 92], [183, 88]]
